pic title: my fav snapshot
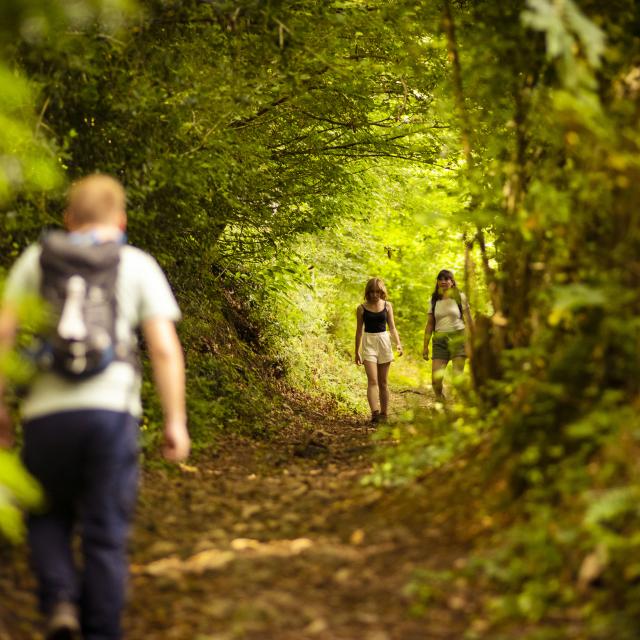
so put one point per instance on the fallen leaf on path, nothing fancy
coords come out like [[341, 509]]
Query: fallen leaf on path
[[273, 548], [342, 576], [173, 566], [162, 549], [317, 626], [249, 510], [457, 603], [162, 567], [242, 544], [377, 635], [367, 617], [480, 625], [209, 560], [357, 537], [219, 608]]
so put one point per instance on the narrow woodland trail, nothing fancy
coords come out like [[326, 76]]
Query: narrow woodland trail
[[280, 540]]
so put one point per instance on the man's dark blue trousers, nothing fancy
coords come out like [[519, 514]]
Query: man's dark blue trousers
[[87, 463]]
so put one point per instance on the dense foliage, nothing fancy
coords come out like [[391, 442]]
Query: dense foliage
[[277, 154]]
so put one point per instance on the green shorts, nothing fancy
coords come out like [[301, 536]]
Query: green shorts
[[449, 345]]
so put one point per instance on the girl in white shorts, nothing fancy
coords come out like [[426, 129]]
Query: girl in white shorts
[[374, 347]]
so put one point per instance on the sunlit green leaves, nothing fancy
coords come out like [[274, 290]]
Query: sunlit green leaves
[[605, 508], [570, 298], [565, 26], [278, 154], [25, 159], [562, 21], [18, 491], [39, 19]]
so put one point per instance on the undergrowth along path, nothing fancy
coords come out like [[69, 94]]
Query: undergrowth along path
[[280, 539]]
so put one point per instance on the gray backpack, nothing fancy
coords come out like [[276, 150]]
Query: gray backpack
[[79, 287]]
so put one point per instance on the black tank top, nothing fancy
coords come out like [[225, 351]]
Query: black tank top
[[374, 321]]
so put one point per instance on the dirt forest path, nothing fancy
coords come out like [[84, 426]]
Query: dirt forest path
[[279, 539]]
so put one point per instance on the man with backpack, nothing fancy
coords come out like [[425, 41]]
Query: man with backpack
[[81, 410]]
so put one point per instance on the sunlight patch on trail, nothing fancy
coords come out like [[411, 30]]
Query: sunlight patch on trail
[[216, 559]]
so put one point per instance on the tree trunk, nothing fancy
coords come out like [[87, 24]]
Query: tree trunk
[[489, 336]]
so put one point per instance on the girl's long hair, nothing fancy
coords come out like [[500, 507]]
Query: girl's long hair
[[455, 292], [375, 284]]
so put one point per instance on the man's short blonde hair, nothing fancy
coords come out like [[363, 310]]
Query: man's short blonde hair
[[98, 198]]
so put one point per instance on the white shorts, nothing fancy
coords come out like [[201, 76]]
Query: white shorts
[[376, 347]]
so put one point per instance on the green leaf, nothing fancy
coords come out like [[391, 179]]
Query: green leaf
[[18, 490]]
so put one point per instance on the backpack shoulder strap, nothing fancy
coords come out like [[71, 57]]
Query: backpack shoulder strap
[[458, 298]]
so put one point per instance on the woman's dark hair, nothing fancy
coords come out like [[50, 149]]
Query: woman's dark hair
[[445, 274]]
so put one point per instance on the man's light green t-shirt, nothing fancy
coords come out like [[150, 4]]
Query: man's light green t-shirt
[[142, 293]]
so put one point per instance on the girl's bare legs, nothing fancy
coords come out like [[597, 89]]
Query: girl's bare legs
[[458, 366], [437, 376], [373, 395], [383, 388]]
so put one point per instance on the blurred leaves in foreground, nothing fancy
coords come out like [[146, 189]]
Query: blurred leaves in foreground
[[18, 492]]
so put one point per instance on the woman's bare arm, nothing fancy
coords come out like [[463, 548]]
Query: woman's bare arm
[[428, 330], [392, 328], [359, 323]]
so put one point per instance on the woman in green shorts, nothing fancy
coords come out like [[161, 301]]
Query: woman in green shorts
[[448, 319]]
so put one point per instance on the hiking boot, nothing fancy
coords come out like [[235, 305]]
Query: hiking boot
[[383, 418], [63, 623], [375, 417]]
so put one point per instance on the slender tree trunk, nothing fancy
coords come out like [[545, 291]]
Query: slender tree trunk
[[517, 261], [465, 131], [458, 91], [488, 336]]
